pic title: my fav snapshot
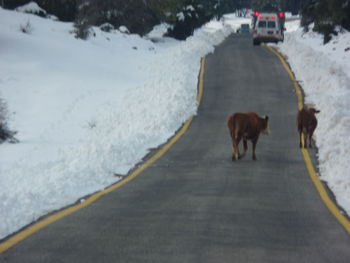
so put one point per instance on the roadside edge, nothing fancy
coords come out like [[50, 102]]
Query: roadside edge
[[327, 200]]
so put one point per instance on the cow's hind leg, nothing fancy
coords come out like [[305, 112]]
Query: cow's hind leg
[[245, 147], [233, 140], [234, 154], [235, 144], [305, 139], [233, 150], [310, 139], [254, 141], [310, 136]]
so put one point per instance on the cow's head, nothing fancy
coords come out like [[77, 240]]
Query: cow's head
[[310, 107], [264, 125], [313, 111]]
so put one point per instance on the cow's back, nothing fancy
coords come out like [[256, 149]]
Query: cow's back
[[306, 120], [243, 123]]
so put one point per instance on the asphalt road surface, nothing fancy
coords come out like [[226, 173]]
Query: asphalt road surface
[[194, 204]]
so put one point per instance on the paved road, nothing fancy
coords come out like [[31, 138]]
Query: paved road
[[194, 204]]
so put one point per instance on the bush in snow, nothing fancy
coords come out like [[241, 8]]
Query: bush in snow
[[107, 27], [84, 20], [26, 28], [5, 133], [81, 29], [136, 15], [32, 8]]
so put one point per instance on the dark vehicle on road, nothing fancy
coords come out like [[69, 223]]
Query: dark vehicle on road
[[245, 28]]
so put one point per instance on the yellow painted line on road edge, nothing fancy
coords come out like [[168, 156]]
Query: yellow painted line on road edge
[[31, 229], [333, 208]]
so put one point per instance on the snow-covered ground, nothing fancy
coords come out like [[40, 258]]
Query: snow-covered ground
[[86, 111], [324, 74]]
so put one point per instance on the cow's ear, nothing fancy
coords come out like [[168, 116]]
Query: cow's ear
[[266, 118]]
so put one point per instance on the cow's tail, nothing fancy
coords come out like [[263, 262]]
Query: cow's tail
[[233, 133], [232, 127]]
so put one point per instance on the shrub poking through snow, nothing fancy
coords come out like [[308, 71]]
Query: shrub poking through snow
[[85, 19], [26, 28], [107, 27], [82, 30], [5, 133]]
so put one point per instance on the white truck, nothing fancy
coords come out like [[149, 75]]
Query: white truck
[[268, 27]]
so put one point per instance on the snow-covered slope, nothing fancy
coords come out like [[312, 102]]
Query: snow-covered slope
[[86, 110]]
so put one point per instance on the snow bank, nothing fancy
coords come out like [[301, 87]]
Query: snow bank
[[324, 72], [86, 110]]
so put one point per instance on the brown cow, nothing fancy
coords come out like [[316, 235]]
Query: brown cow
[[247, 126], [306, 123]]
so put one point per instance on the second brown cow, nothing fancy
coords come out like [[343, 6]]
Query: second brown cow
[[306, 124], [246, 126]]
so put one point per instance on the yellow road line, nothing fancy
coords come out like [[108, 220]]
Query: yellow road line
[[310, 167], [26, 232]]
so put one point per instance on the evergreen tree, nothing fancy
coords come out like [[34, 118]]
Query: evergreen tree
[[340, 12], [191, 14], [166, 10], [267, 5], [326, 15]]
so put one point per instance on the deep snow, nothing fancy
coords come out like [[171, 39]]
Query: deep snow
[[88, 110]]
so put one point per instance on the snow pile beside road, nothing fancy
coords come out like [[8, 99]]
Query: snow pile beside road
[[86, 110], [324, 74]]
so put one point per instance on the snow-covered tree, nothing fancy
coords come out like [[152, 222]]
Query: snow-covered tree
[[189, 15], [326, 16]]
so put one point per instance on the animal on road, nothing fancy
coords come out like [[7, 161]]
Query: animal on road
[[306, 124], [246, 126]]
